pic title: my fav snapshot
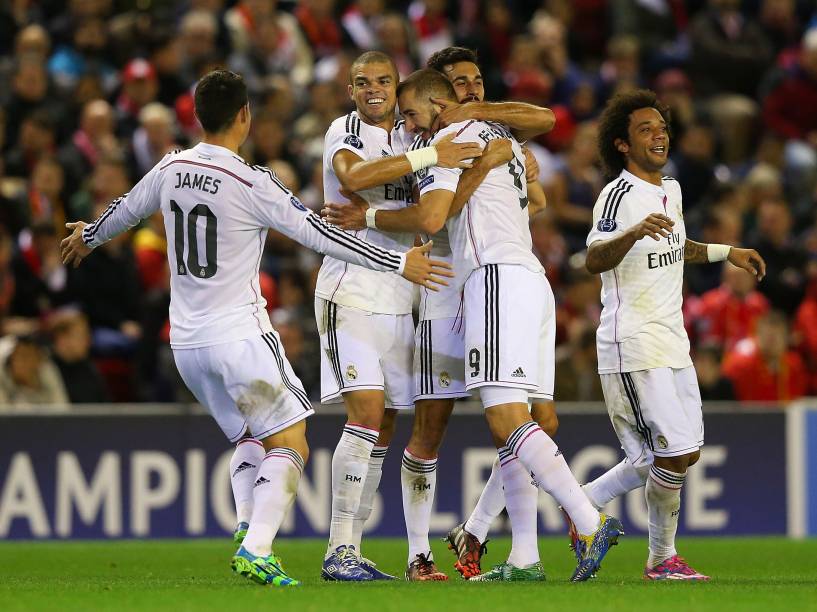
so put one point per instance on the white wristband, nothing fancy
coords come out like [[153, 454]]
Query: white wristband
[[422, 158], [717, 252], [370, 213]]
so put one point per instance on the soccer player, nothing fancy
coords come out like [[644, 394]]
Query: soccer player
[[439, 343], [647, 376], [508, 311], [364, 317], [216, 212]]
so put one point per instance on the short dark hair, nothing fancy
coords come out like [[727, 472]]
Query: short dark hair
[[372, 57], [219, 96], [614, 122], [451, 55], [428, 83]]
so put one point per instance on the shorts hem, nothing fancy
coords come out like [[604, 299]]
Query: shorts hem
[[452, 395], [501, 383], [336, 395], [280, 427], [240, 435], [544, 396], [678, 453]]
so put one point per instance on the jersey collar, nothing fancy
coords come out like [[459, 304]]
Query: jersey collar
[[641, 183]]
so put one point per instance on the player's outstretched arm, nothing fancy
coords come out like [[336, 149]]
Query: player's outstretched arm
[[356, 174], [604, 255], [430, 214], [748, 259], [526, 121]]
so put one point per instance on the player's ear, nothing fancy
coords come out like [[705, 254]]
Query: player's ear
[[622, 145], [351, 90]]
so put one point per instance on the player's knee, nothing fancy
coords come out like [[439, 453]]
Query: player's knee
[[549, 423]]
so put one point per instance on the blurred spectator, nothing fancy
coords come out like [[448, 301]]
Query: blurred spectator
[[779, 20], [694, 160], [524, 77], [199, 32], [318, 23], [71, 341], [108, 181], [86, 54], [729, 50], [166, 57], [658, 24], [674, 89], [714, 386], [729, 313], [395, 40], [30, 94], [622, 67], [784, 284], [763, 368], [37, 139], [572, 192], [153, 139], [27, 376], [94, 139], [361, 20], [789, 112], [107, 286], [577, 367], [40, 279], [139, 88], [45, 201], [32, 42], [431, 27]]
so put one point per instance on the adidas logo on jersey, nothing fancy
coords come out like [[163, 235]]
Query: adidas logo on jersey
[[518, 373], [244, 466], [261, 481]]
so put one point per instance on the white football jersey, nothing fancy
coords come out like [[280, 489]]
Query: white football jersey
[[344, 283], [447, 302], [216, 210], [641, 322], [493, 226]]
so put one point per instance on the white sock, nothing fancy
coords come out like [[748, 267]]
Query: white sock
[[273, 494], [418, 478], [548, 468], [247, 458], [490, 505], [521, 501], [350, 464], [663, 505], [618, 480], [373, 475]]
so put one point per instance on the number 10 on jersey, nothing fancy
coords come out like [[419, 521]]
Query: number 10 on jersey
[[210, 245]]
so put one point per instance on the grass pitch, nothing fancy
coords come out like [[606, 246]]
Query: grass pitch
[[748, 574]]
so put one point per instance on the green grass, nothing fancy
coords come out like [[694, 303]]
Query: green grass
[[748, 574]]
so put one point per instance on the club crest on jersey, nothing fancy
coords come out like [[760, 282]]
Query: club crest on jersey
[[351, 373], [606, 225], [297, 203], [662, 441], [421, 173], [445, 379], [353, 140]]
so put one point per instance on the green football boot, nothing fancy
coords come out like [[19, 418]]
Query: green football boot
[[263, 570], [505, 572]]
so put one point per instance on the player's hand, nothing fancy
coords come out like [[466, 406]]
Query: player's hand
[[655, 225], [531, 166], [73, 249], [348, 216], [452, 154], [424, 271], [748, 259], [497, 152], [452, 112]]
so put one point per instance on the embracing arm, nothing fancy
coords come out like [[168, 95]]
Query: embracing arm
[[356, 174], [524, 120]]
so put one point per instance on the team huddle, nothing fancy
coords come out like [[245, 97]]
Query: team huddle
[[453, 176]]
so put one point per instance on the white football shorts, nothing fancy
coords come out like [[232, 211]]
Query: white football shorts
[[365, 350], [655, 412], [246, 383], [439, 369], [510, 330]]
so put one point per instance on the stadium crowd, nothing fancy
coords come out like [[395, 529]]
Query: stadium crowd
[[94, 92]]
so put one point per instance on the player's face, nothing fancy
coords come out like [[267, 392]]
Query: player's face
[[374, 91], [649, 140], [418, 114], [467, 81]]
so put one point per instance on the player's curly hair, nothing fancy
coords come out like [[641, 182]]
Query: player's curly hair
[[451, 55], [614, 122]]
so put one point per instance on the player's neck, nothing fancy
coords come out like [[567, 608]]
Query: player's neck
[[650, 176], [386, 124], [226, 140]]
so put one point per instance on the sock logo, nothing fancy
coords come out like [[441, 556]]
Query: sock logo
[[242, 467], [676, 512], [353, 478], [558, 452], [518, 373], [421, 486], [261, 481]]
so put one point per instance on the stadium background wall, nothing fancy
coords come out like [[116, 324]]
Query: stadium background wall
[[154, 472]]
